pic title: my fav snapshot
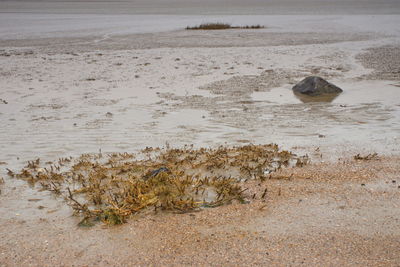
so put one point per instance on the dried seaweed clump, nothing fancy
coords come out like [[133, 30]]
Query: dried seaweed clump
[[222, 26], [114, 186], [367, 157]]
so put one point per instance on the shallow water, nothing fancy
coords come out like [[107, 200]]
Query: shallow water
[[33, 19], [53, 126], [366, 110], [32, 25], [61, 104]]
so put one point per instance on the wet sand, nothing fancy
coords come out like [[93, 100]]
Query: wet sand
[[84, 95], [63, 96], [338, 213]]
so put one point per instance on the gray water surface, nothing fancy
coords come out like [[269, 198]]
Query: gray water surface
[[47, 19]]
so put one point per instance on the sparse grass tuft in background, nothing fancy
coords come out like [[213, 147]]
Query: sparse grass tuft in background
[[222, 26]]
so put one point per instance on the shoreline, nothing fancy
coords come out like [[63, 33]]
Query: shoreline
[[68, 96]]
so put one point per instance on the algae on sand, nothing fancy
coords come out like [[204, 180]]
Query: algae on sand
[[114, 186]]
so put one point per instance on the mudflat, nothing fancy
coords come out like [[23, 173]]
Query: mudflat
[[70, 92]]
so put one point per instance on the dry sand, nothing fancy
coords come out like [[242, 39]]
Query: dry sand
[[67, 96]]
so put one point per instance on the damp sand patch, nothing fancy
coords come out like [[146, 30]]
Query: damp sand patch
[[112, 187], [383, 62]]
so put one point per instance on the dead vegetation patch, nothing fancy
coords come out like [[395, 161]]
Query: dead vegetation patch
[[222, 26], [112, 187], [372, 156]]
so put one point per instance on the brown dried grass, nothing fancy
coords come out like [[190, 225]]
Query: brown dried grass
[[115, 186], [222, 26]]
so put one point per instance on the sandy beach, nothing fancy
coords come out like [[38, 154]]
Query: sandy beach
[[85, 84]]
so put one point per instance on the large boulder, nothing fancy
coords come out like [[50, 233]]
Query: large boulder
[[316, 86]]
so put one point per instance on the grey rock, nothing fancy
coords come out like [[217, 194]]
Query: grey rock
[[156, 172], [315, 86]]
